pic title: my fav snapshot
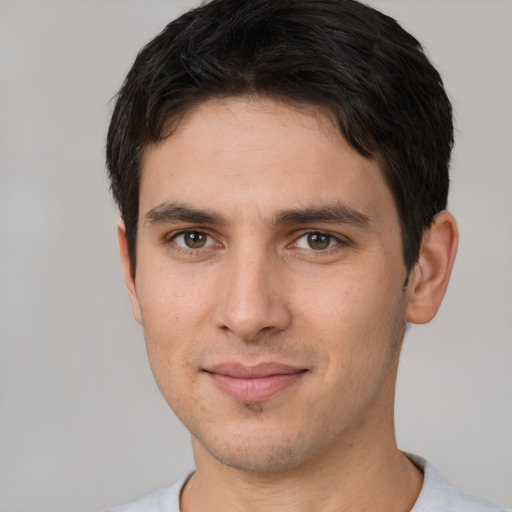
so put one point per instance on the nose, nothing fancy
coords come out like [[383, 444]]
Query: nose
[[252, 302]]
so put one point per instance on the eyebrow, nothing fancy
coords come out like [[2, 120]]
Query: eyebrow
[[175, 212], [332, 214]]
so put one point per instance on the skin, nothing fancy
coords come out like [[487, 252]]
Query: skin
[[236, 265]]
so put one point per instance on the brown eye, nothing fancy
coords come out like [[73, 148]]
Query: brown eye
[[318, 241], [195, 240], [192, 240]]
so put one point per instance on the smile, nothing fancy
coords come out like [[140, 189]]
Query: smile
[[254, 383]]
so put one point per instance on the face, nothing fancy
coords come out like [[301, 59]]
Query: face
[[269, 283]]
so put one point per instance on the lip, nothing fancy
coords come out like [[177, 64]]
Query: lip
[[254, 383]]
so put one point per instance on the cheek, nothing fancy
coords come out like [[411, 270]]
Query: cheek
[[170, 351], [346, 302], [360, 320], [171, 301], [172, 317]]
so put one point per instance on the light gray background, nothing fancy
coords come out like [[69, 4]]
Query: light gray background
[[82, 425]]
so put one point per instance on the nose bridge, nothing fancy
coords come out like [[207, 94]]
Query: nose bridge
[[251, 300]]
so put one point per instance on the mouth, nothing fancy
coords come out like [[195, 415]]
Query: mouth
[[251, 384]]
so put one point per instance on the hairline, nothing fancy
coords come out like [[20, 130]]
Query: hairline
[[172, 123]]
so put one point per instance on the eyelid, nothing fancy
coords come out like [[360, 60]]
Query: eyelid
[[337, 239], [212, 241], [172, 237]]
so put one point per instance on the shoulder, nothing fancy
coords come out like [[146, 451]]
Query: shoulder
[[438, 496], [161, 500]]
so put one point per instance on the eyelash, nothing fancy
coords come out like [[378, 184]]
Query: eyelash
[[333, 242], [210, 242]]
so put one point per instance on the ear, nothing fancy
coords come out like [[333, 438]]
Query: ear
[[429, 277], [128, 272]]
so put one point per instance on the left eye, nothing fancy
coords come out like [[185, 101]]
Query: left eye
[[316, 241], [193, 240]]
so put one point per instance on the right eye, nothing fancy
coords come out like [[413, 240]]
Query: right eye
[[193, 240]]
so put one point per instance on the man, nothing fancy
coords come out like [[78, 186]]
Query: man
[[282, 174]]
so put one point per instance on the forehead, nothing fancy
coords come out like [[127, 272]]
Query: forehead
[[245, 154]]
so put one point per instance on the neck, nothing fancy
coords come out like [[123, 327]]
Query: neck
[[384, 482]]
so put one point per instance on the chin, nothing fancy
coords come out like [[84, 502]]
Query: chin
[[270, 459], [261, 451]]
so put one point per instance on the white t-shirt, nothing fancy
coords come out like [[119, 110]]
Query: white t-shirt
[[435, 496]]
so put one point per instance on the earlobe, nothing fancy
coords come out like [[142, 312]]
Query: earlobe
[[429, 277], [128, 273]]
